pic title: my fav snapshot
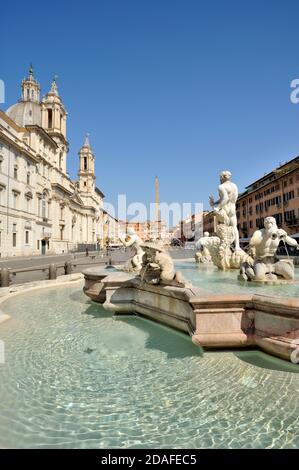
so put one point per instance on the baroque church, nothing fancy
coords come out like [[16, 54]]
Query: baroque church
[[41, 209]]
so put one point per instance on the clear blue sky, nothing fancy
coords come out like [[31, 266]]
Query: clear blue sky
[[178, 88]]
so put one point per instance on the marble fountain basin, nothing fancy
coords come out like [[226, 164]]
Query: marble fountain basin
[[218, 312]]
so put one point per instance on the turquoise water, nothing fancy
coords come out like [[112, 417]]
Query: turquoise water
[[77, 377], [214, 281]]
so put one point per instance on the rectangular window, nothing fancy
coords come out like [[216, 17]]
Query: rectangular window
[[44, 208], [15, 201], [28, 204], [38, 244], [49, 118], [27, 237], [14, 239]]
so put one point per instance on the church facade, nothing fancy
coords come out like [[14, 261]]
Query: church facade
[[41, 209]]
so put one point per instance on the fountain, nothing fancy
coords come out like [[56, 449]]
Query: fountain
[[242, 318]]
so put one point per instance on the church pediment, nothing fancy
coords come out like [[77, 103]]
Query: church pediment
[[76, 198]]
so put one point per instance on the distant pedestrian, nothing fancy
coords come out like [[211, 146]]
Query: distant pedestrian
[[86, 251]]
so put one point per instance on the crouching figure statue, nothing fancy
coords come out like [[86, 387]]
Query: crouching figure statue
[[203, 255], [158, 267], [133, 241]]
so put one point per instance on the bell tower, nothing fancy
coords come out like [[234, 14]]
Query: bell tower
[[86, 168], [30, 88], [54, 118]]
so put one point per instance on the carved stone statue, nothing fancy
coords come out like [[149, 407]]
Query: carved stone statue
[[132, 240], [225, 207], [222, 256], [263, 245], [203, 255], [158, 267], [227, 253]]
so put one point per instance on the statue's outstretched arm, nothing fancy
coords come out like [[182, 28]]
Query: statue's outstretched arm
[[291, 241]]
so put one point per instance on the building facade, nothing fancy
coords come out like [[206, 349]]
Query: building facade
[[41, 209], [209, 222], [191, 228], [147, 231], [276, 194]]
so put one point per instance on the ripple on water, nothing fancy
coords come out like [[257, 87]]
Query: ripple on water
[[215, 281], [76, 377]]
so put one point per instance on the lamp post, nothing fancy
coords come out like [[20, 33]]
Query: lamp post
[[106, 237]]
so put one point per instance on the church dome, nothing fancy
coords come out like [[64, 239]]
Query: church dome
[[25, 113]]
